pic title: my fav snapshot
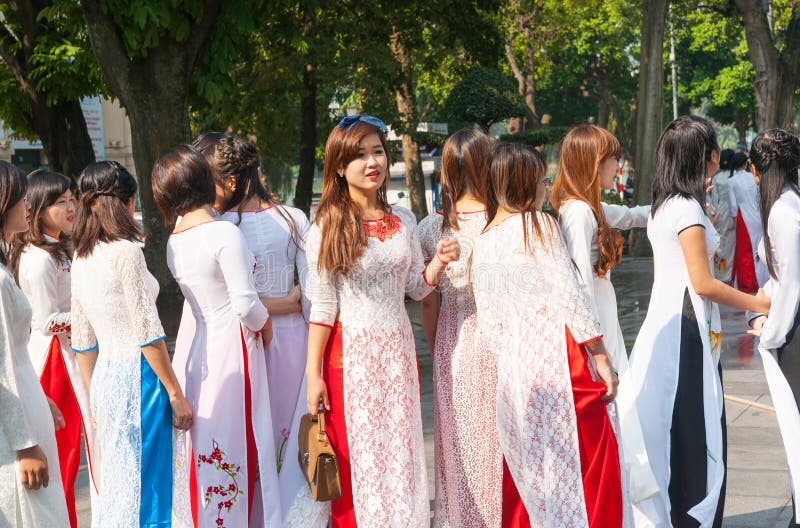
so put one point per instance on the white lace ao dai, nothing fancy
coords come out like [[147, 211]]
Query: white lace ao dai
[[381, 384], [468, 459]]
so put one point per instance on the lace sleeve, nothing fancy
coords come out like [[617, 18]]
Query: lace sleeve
[[16, 431], [416, 286], [564, 285], [130, 265], [427, 240], [301, 262], [238, 267], [83, 338], [320, 287]]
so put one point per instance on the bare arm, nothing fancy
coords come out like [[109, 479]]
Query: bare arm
[[283, 305], [158, 359], [316, 390], [693, 244], [86, 362], [430, 318]]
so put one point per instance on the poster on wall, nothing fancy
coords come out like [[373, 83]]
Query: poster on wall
[[93, 114]]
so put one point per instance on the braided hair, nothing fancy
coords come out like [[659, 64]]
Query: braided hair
[[776, 156], [105, 188]]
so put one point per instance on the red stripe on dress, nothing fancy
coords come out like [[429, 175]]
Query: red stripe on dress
[[193, 488], [57, 385], [252, 450]]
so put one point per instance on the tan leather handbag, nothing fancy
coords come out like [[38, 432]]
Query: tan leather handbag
[[317, 459]]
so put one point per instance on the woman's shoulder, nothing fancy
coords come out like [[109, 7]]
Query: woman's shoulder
[[405, 214], [432, 222], [576, 210]]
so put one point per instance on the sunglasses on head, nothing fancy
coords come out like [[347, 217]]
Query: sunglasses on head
[[349, 121]]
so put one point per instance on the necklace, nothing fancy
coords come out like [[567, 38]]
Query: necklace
[[382, 228]]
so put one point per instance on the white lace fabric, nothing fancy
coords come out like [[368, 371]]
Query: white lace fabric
[[113, 308], [467, 454], [525, 299], [381, 384]]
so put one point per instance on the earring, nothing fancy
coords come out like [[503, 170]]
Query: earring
[[341, 175]]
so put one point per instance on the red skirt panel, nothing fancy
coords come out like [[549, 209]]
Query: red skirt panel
[[57, 385], [744, 265], [343, 514], [600, 464]]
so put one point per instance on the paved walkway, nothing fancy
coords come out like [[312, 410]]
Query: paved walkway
[[758, 488]]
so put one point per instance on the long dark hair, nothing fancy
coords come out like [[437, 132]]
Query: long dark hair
[[44, 190], [13, 186], [513, 178], [739, 159], [776, 155], [343, 235], [105, 188], [232, 156], [725, 157], [465, 168], [683, 150]]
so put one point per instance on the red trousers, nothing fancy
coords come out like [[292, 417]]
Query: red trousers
[[600, 464], [342, 513]]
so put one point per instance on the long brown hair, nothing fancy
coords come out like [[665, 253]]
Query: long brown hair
[[44, 190], [105, 189], [465, 168], [514, 174], [339, 218], [583, 150]]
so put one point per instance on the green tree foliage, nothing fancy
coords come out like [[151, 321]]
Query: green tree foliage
[[47, 67], [538, 137], [484, 97]]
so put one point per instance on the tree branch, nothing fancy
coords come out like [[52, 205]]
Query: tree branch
[[199, 36], [112, 57], [30, 28], [16, 67]]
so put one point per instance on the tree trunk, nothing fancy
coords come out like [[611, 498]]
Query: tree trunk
[[650, 111], [65, 139], [407, 111], [777, 73], [308, 141]]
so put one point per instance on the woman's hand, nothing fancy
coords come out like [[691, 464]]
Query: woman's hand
[[58, 418], [756, 325], [763, 301], [33, 467], [316, 391], [447, 250], [266, 333], [181, 412], [294, 297], [608, 375]]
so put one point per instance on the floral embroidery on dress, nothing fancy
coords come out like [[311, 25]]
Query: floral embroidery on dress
[[382, 228], [229, 494], [279, 454]]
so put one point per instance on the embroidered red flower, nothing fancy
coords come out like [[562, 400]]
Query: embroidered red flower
[[383, 228], [231, 491]]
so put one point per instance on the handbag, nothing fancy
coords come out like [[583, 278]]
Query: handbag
[[317, 459]]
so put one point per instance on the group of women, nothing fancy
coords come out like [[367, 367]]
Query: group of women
[[541, 418]]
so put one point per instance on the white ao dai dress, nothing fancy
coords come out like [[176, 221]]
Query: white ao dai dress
[[675, 373], [114, 311], [229, 451], [25, 421], [579, 227], [380, 376], [534, 311], [468, 459]]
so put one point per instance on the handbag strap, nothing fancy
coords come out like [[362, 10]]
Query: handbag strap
[[322, 435]]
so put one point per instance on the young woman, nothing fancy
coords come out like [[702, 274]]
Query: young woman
[[41, 258], [230, 444], [32, 493], [776, 157], [724, 223], [468, 460], [675, 370], [555, 377], [588, 164], [274, 234], [748, 271], [364, 257], [136, 398]]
